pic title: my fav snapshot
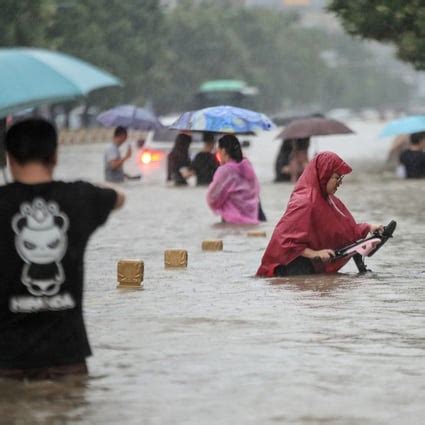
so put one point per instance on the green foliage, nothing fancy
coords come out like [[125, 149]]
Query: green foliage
[[400, 22], [271, 51], [25, 22], [164, 55], [121, 36]]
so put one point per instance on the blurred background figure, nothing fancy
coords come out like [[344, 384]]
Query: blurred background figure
[[113, 162], [234, 191], [412, 159], [399, 144], [205, 162], [178, 160], [282, 173], [140, 142], [292, 159], [299, 158]]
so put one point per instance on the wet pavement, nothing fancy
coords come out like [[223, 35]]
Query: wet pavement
[[212, 344]]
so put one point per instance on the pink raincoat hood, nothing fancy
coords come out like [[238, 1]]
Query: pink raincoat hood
[[243, 168]]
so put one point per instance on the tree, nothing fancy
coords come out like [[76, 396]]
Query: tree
[[273, 52], [25, 22], [164, 55], [201, 45], [396, 21], [123, 37]]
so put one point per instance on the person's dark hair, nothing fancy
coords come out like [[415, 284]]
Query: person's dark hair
[[416, 138], [286, 147], [32, 140], [208, 137], [183, 141], [181, 145], [232, 146], [120, 131], [301, 144]]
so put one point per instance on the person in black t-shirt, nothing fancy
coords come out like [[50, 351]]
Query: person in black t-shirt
[[205, 162], [413, 159], [44, 229]]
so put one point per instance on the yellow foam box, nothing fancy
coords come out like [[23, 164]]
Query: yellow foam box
[[213, 245], [256, 234], [130, 273], [175, 258]]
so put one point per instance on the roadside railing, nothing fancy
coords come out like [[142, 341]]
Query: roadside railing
[[94, 135]]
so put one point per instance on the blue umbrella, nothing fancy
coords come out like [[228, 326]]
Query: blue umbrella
[[129, 116], [31, 77], [223, 119], [406, 125]]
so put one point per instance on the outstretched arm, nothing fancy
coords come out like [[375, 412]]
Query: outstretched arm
[[117, 163], [120, 194], [324, 255]]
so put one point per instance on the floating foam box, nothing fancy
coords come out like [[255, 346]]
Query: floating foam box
[[130, 273], [175, 258], [212, 245]]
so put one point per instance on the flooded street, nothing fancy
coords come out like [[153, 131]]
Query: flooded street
[[212, 344]]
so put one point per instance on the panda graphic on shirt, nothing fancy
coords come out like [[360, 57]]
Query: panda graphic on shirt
[[41, 241]]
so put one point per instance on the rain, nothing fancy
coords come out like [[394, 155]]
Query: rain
[[183, 326]]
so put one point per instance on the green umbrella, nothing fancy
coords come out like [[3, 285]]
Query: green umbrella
[[31, 77]]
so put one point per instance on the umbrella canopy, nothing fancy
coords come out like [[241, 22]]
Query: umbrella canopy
[[31, 77], [308, 127], [406, 125], [129, 116], [223, 119]]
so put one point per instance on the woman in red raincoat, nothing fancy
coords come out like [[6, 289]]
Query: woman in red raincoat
[[315, 223]]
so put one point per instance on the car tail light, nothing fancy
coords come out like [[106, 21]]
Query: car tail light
[[148, 156]]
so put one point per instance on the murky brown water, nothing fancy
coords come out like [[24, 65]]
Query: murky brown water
[[214, 345]]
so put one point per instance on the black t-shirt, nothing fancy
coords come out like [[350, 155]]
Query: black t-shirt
[[414, 163], [204, 165], [44, 230]]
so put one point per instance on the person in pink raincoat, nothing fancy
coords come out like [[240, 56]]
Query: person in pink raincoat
[[234, 192]]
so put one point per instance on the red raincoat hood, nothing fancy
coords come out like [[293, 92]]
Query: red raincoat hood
[[313, 219]]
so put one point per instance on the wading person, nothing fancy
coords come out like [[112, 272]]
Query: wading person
[[113, 162], [299, 158], [234, 192], [413, 158], [315, 223], [292, 159], [44, 229], [205, 162], [178, 160], [282, 171]]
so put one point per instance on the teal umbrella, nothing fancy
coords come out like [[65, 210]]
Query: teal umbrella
[[405, 125], [31, 77]]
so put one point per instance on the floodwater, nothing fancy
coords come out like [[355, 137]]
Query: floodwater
[[212, 344]]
